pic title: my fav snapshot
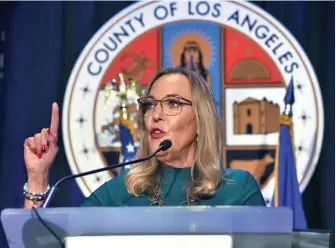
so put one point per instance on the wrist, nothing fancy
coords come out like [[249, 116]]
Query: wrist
[[36, 191], [37, 182]]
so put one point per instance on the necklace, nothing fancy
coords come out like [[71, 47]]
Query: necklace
[[157, 197]]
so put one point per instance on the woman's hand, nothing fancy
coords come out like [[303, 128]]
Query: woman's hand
[[41, 149]]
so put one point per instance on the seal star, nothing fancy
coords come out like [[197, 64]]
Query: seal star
[[81, 120], [85, 90]]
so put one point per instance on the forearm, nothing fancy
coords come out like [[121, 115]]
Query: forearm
[[36, 183]]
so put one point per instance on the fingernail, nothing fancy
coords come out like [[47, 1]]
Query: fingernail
[[43, 147], [39, 155], [49, 131]]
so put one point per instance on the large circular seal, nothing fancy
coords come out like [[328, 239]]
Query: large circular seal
[[246, 56]]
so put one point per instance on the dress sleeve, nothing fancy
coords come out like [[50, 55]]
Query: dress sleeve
[[100, 197], [252, 195]]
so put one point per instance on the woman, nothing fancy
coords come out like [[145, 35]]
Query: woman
[[178, 106]]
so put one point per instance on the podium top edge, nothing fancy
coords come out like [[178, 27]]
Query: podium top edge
[[240, 209]]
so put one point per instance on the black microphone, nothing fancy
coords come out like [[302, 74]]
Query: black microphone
[[164, 145]]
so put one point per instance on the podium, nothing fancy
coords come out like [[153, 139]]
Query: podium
[[122, 227]]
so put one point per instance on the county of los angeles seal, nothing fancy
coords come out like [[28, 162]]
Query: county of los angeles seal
[[246, 56]]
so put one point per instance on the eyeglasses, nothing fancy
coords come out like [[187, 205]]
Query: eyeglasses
[[171, 105]]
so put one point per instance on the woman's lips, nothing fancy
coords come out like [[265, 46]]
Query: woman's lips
[[156, 133]]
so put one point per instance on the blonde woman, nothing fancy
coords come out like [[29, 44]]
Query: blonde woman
[[178, 106]]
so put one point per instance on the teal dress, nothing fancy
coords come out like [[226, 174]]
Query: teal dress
[[239, 188]]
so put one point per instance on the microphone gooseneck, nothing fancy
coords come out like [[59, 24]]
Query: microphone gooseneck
[[164, 145]]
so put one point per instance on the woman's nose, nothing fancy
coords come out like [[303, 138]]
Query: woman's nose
[[157, 112]]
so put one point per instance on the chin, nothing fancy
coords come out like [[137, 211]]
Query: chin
[[154, 144], [162, 156]]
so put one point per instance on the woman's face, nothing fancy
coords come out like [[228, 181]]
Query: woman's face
[[181, 129]]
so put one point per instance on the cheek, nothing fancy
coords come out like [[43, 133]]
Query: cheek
[[147, 123], [183, 129]]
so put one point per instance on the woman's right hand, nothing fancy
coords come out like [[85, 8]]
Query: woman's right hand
[[41, 149]]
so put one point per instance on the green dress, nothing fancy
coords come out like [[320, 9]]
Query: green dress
[[239, 188]]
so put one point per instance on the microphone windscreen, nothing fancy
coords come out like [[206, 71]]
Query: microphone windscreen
[[165, 145]]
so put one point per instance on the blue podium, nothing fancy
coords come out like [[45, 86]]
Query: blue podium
[[241, 226]]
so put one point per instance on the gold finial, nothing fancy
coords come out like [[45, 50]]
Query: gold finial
[[122, 85], [108, 91], [122, 94], [123, 91]]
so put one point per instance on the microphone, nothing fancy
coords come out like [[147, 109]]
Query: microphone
[[164, 145]]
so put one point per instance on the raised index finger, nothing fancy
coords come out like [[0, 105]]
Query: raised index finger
[[54, 119]]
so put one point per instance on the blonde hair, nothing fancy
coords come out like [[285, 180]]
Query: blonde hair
[[206, 173]]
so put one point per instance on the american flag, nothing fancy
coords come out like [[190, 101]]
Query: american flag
[[128, 148]]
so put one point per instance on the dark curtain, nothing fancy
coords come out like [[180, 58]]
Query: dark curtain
[[43, 41]]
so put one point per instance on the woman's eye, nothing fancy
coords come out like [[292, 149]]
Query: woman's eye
[[173, 103], [149, 105]]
